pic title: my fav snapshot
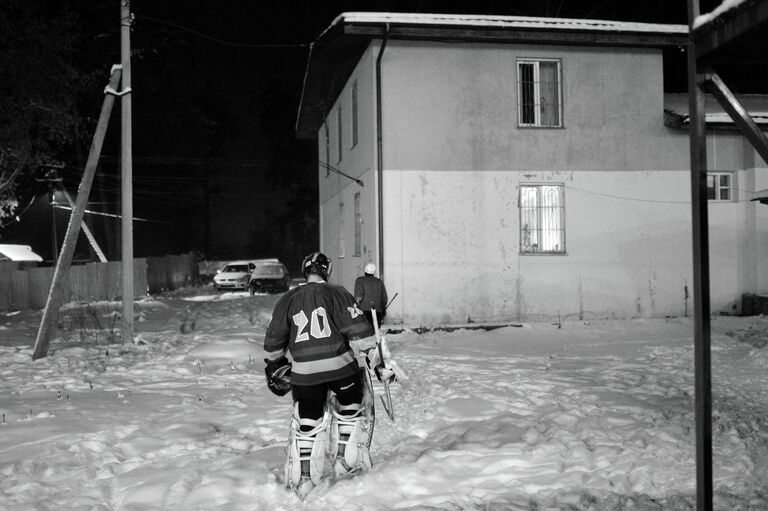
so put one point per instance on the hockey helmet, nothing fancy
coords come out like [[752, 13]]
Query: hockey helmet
[[370, 268], [317, 263]]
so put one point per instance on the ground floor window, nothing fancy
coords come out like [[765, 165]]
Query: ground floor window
[[719, 186], [542, 218], [358, 226]]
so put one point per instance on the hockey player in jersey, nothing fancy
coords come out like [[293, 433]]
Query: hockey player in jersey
[[314, 324], [371, 294]]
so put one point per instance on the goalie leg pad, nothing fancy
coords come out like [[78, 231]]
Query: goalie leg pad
[[350, 445], [307, 461]]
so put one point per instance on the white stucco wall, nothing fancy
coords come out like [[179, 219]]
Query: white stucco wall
[[628, 239], [337, 192], [454, 159]]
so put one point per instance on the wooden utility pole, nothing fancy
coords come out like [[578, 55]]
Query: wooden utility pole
[[54, 301], [126, 161], [88, 234]]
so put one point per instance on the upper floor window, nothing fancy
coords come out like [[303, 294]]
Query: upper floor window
[[354, 114], [539, 93], [542, 219], [719, 186], [340, 142]]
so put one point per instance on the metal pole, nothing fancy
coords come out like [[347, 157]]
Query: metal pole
[[127, 171], [701, 299], [380, 155]]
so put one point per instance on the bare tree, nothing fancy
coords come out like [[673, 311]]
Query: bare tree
[[38, 93]]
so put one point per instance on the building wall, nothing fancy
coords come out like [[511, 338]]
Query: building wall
[[628, 240], [454, 158], [337, 192], [453, 107]]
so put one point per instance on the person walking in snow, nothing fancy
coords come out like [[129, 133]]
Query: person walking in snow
[[314, 324], [371, 294]]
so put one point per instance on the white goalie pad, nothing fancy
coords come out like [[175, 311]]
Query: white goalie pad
[[350, 439], [307, 461]]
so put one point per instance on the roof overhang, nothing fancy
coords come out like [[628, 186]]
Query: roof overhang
[[715, 120], [338, 49], [18, 253], [730, 20]]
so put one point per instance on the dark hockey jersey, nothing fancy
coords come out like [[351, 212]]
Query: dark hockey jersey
[[314, 323]]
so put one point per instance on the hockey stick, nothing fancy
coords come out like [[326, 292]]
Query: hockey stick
[[387, 403]]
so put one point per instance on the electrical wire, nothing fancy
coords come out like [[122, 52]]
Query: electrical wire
[[221, 41]]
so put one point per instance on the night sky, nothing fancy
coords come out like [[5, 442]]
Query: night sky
[[217, 167]]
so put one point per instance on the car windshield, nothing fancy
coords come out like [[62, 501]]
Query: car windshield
[[269, 270], [232, 268]]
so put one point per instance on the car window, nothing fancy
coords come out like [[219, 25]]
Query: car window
[[236, 268], [269, 270]]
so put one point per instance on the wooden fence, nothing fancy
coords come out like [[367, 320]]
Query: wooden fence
[[28, 289]]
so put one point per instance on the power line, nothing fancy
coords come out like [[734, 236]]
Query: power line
[[221, 41]]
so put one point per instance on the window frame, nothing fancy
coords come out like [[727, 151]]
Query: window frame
[[358, 248], [339, 134], [718, 189], [538, 210], [327, 150], [536, 63], [342, 240], [354, 114]]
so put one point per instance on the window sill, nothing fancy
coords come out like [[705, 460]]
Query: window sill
[[547, 254]]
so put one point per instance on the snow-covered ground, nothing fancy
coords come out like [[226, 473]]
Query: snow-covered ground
[[589, 416]]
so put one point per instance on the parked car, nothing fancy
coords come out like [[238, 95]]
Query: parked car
[[235, 275], [269, 276]]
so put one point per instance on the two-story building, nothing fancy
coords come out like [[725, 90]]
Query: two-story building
[[503, 168]]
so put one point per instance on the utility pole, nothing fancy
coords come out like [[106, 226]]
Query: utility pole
[[702, 332], [126, 161], [60, 274]]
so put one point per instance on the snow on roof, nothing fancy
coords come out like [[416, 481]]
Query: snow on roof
[[475, 20], [726, 6], [18, 253]]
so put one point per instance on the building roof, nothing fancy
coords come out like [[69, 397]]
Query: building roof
[[18, 253], [732, 37], [339, 47], [480, 21]]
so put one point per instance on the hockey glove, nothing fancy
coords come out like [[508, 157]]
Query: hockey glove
[[278, 376]]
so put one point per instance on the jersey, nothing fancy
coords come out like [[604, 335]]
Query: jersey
[[370, 293], [314, 323]]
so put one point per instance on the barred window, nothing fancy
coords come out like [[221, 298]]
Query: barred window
[[538, 94], [542, 219]]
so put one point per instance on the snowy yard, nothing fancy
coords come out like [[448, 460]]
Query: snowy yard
[[590, 416]]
